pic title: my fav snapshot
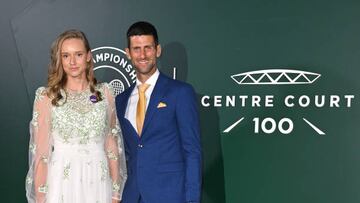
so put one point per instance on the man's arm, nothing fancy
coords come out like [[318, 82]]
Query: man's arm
[[188, 122]]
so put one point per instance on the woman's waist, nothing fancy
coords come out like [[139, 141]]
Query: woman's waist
[[82, 149]]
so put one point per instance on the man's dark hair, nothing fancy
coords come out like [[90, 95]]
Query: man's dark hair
[[142, 28]]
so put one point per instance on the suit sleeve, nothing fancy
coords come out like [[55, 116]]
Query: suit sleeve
[[188, 122]]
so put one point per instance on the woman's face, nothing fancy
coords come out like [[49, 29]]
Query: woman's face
[[74, 58]]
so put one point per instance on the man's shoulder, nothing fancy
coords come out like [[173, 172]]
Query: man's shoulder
[[173, 83]]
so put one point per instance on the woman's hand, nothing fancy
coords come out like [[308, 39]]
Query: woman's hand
[[115, 201]]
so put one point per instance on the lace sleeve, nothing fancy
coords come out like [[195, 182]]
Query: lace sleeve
[[114, 147], [39, 148]]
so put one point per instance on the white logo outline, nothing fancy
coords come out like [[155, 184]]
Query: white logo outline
[[274, 81], [121, 88]]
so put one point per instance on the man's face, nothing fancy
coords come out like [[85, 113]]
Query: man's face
[[143, 53], [74, 58]]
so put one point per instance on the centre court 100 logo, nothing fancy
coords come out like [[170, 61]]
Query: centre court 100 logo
[[269, 125]]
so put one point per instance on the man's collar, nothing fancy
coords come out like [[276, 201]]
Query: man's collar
[[152, 80]]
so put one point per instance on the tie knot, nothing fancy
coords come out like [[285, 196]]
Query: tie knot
[[143, 87]]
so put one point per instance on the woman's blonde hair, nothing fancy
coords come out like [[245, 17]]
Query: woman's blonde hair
[[57, 77]]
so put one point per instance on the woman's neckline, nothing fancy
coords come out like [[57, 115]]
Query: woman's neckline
[[72, 91]]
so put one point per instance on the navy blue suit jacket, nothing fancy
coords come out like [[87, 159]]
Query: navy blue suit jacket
[[164, 163]]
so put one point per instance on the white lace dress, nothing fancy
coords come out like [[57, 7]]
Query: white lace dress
[[76, 149]]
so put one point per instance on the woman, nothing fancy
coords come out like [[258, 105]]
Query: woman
[[76, 147]]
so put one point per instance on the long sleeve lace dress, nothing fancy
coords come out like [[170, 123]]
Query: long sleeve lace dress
[[76, 151]]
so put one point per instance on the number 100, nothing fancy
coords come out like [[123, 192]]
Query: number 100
[[268, 125]]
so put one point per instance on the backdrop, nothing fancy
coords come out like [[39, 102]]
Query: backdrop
[[277, 85]]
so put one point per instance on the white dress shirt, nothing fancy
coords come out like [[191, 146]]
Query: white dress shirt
[[130, 113]]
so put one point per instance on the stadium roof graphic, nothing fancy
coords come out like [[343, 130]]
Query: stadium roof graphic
[[275, 77]]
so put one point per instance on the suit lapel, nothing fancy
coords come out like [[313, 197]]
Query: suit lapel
[[125, 96], [156, 96], [124, 101]]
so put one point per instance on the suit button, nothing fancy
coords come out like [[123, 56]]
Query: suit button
[[140, 145]]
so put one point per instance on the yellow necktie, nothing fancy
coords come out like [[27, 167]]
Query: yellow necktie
[[141, 107]]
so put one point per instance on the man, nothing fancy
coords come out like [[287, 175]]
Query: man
[[160, 125]]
